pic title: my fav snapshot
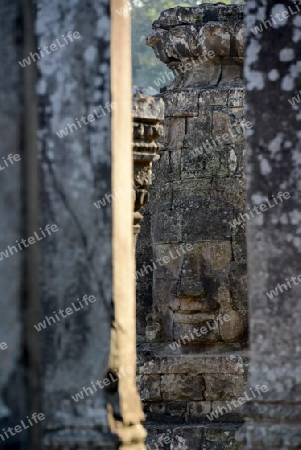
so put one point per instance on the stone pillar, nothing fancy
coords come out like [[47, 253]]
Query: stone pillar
[[148, 113], [199, 254], [272, 72], [12, 386], [77, 260]]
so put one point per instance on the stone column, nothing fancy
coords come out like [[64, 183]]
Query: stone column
[[12, 386], [199, 254], [75, 261], [272, 72], [148, 113]]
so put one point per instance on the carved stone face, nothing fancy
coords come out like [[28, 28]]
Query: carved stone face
[[192, 292], [199, 187]]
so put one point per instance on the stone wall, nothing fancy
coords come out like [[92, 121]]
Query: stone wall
[[76, 276], [198, 260]]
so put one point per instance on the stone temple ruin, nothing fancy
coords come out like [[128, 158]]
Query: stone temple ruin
[[176, 177], [192, 311]]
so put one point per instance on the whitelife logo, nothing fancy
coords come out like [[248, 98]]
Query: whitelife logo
[[243, 217], [277, 18], [205, 329], [18, 428], [31, 240], [106, 382], [91, 117], [183, 68], [11, 158], [53, 48], [68, 311], [164, 260], [236, 403]]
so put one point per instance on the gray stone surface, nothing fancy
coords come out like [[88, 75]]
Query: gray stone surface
[[272, 73], [12, 389], [76, 261], [205, 437], [194, 362], [199, 187]]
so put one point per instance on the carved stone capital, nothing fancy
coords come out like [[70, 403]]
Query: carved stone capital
[[202, 45]]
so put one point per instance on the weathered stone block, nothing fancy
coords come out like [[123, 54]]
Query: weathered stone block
[[197, 411], [200, 73], [213, 97], [148, 108], [183, 104], [215, 37], [159, 439], [203, 224], [220, 387], [226, 122], [217, 436], [167, 227], [175, 130], [236, 97], [220, 439], [191, 192], [232, 69], [176, 409], [238, 242], [162, 197], [168, 167], [182, 387], [239, 39], [212, 159], [149, 387], [238, 286], [229, 193], [229, 363], [198, 128]]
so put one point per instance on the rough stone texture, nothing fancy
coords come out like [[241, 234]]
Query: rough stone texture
[[148, 114], [12, 389], [205, 437], [198, 192], [199, 179], [78, 259], [183, 36], [186, 388], [274, 244]]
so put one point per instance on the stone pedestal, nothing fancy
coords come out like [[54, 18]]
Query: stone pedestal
[[195, 361], [273, 420]]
